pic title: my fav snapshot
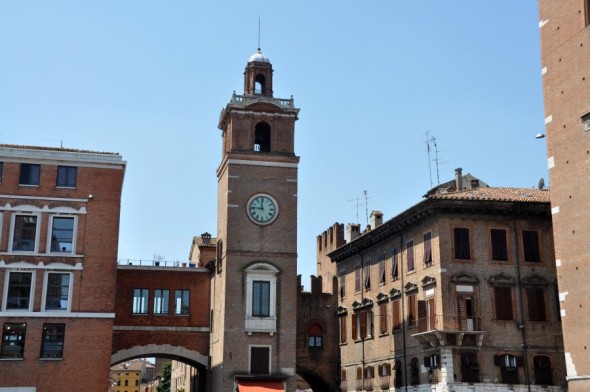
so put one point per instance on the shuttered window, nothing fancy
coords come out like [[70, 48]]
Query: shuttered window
[[394, 265], [259, 360], [536, 304], [396, 315], [412, 311], [499, 245], [530, 239], [367, 275], [427, 249], [410, 254], [382, 269], [503, 303], [354, 327], [462, 248], [383, 319], [343, 321], [357, 278]]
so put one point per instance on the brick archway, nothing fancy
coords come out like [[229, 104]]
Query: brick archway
[[191, 357]]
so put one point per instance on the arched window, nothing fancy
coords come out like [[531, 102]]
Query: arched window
[[359, 379], [343, 386], [384, 374], [315, 335], [262, 137], [432, 361], [542, 370], [508, 367], [369, 378], [259, 84]]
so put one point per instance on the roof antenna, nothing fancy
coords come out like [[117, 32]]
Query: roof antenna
[[259, 33]]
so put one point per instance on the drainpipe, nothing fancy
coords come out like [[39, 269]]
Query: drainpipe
[[366, 324], [521, 325], [403, 310]]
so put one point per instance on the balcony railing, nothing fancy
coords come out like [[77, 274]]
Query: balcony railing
[[446, 323], [245, 100]]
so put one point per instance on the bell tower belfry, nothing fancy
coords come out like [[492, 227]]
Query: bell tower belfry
[[254, 284]]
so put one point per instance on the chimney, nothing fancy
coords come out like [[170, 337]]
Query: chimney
[[206, 237], [474, 183], [353, 231], [459, 179], [376, 219]]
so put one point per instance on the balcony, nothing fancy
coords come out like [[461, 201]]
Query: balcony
[[449, 331], [246, 100]]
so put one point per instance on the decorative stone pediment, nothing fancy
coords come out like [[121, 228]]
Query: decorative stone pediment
[[501, 279], [395, 293], [428, 282], [535, 280], [341, 310], [410, 287], [365, 303], [382, 298], [465, 279]]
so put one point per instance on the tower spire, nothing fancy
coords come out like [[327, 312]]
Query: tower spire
[[258, 33]]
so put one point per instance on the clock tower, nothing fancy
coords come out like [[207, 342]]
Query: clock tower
[[254, 285]]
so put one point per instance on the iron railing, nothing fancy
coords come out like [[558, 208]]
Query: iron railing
[[445, 323]]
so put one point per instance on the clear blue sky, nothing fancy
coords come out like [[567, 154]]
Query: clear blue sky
[[148, 79]]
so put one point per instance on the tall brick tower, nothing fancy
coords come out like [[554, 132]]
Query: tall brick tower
[[565, 52], [254, 286]]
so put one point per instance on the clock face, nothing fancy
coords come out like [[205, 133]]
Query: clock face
[[262, 209]]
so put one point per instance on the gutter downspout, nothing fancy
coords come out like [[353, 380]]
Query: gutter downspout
[[521, 304]]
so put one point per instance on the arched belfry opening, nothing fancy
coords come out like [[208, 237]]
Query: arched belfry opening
[[259, 84], [262, 137]]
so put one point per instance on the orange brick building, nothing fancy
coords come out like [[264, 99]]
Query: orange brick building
[[457, 292], [59, 229], [565, 58]]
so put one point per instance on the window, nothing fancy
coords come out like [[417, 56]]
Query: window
[[342, 284], [508, 368], [394, 265], [20, 290], [503, 303], [412, 312], [469, 367], [181, 302], [259, 360], [382, 269], [384, 374], [342, 320], [362, 324], [427, 249], [140, 301], [66, 176], [426, 315], [261, 289], [383, 319], [367, 275], [24, 233], [29, 174], [432, 361], [315, 335], [410, 256], [462, 248], [1, 170], [357, 278], [262, 137], [398, 374], [52, 344], [161, 301], [396, 320], [530, 239], [57, 294], [13, 341], [62, 234], [536, 304], [542, 365], [499, 245]]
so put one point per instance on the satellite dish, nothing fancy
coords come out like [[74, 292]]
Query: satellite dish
[[541, 184]]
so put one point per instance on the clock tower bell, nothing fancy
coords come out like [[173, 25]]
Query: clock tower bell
[[254, 285]]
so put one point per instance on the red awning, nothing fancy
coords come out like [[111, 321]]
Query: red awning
[[260, 386]]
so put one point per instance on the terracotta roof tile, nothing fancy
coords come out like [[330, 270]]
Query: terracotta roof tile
[[531, 195]]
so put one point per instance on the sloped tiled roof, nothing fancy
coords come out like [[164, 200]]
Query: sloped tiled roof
[[531, 195], [21, 147], [135, 365]]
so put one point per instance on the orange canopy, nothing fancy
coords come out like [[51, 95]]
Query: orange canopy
[[260, 386]]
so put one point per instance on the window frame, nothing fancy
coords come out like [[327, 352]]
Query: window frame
[[144, 295], [46, 291], [22, 340], [68, 179], [357, 278], [250, 356], [536, 304], [382, 269], [6, 294], [531, 255], [162, 301], [50, 230], [59, 341], [367, 275], [460, 247], [427, 258], [343, 319], [410, 256], [182, 307], [261, 272], [11, 239], [315, 339], [497, 251], [260, 298], [21, 176], [500, 301], [394, 265]]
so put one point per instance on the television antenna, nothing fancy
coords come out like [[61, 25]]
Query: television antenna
[[359, 204], [432, 147]]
